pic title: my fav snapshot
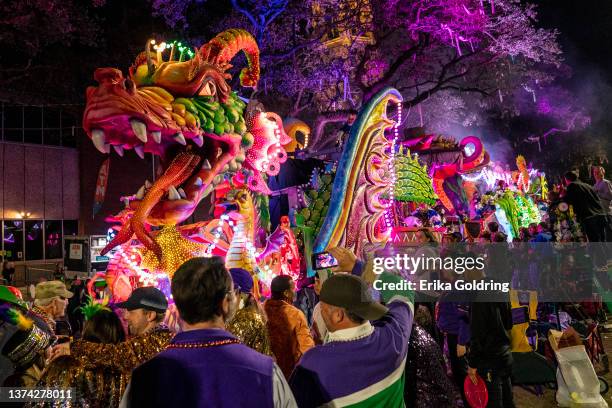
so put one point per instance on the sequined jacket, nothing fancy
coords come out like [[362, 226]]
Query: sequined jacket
[[124, 356], [249, 326], [94, 387], [99, 373]]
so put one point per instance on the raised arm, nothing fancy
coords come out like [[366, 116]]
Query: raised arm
[[124, 356]]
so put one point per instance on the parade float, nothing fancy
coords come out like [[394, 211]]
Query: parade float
[[509, 197], [182, 109], [176, 104]]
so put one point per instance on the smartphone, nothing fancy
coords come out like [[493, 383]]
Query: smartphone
[[323, 260]]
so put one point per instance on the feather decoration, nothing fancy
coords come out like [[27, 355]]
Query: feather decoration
[[15, 317], [92, 307]]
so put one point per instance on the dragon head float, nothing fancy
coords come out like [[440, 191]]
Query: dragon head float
[[186, 113]]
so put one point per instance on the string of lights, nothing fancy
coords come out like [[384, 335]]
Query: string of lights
[[391, 195]]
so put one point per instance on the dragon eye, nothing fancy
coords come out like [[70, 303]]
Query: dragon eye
[[209, 89]]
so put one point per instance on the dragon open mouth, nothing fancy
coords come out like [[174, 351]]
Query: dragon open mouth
[[150, 120], [186, 113]]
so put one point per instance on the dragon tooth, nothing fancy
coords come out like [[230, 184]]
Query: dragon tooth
[[179, 138], [99, 140], [140, 130], [219, 152], [182, 193], [208, 190], [226, 168], [156, 135], [198, 140], [118, 150], [148, 184], [206, 165], [141, 192], [139, 151], [198, 182], [173, 194], [218, 179], [233, 166]]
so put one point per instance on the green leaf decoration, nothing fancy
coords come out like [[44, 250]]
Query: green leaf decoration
[[413, 183]]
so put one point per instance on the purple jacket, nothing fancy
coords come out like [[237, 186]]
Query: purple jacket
[[339, 369], [229, 375], [362, 365]]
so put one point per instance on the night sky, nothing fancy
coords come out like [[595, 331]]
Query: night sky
[[586, 39]]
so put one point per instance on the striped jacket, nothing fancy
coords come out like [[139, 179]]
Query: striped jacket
[[358, 367]]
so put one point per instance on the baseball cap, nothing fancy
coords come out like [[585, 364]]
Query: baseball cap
[[50, 289], [149, 298], [351, 293]]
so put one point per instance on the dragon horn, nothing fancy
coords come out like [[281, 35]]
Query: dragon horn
[[221, 49]]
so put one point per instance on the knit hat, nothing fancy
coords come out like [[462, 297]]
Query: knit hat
[[242, 279]]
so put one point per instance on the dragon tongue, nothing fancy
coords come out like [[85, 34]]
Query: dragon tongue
[[180, 169]]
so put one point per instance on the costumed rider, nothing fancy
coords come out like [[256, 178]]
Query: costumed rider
[[344, 131], [428, 217], [24, 342], [289, 252], [249, 322]]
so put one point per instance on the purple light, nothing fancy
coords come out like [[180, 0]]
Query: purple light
[[544, 106]]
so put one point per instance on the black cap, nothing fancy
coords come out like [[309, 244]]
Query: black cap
[[351, 293], [149, 298]]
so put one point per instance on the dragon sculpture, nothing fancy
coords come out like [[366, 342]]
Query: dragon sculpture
[[185, 112], [448, 160]]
